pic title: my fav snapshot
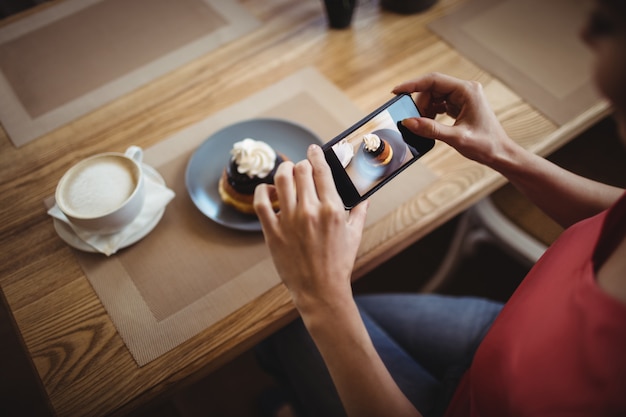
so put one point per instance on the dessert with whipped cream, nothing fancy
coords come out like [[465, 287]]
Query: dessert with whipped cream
[[377, 150], [252, 162]]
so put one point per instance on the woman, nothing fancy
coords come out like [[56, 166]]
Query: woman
[[556, 348]]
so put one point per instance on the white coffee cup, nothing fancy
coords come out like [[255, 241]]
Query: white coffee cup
[[103, 193]]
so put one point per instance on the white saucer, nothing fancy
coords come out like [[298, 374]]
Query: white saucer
[[68, 235]]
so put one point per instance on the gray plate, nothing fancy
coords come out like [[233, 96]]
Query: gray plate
[[209, 160]]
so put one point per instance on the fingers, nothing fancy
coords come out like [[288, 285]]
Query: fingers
[[263, 206], [307, 182], [322, 175], [430, 129], [285, 187], [305, 186], [358, 215], [439, 85], [439, 93]]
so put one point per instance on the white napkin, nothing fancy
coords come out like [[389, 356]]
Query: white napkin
[[156, 198]]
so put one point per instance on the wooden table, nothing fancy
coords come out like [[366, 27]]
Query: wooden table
[[67, 332]]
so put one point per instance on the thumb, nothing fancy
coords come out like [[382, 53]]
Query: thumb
[[429, 128]]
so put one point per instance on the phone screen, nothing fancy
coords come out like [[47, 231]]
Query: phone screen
[[374, 150]]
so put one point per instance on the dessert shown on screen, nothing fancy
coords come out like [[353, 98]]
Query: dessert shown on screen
[[251, 163], [377, 151]]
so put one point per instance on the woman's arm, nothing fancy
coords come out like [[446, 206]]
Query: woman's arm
[[364, 385], [477, 134], [564, 196], [314, 243]]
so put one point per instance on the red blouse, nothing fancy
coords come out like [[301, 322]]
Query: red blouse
[[558, 348]]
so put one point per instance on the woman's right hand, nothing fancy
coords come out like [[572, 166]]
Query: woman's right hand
[[477, 134]]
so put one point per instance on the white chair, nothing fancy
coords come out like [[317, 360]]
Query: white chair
[[484, 223]]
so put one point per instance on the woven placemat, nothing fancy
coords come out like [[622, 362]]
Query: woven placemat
[[533, 46], [71, 58]]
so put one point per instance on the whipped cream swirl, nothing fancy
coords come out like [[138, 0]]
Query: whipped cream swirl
[[254, 158], [371, 142]]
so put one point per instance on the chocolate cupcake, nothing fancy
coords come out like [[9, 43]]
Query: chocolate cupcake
[[252, 162]]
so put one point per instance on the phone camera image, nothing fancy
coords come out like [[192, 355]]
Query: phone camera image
[[373, 152]]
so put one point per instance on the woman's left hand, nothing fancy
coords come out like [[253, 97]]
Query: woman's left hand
[[312, 239]]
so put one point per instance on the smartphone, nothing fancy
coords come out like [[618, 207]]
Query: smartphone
[[373, 151]]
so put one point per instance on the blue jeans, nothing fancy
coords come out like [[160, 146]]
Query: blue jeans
[[426, 341]]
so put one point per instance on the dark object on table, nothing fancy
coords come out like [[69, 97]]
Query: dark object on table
[[406, 6], [339, 12]]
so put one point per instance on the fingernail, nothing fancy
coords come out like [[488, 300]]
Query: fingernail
[[409, 123]]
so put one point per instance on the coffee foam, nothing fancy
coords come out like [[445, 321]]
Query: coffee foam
[[99, 186]]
